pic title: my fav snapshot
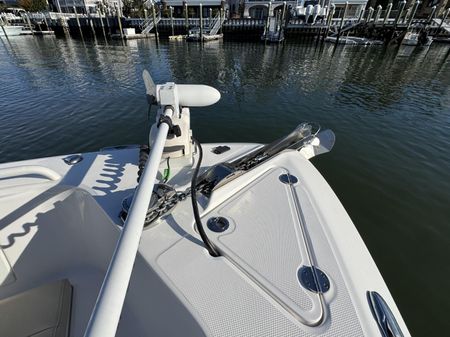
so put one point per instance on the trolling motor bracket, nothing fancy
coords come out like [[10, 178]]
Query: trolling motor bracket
[[178, 98], [174, 130], [178, 137], [167, 97]]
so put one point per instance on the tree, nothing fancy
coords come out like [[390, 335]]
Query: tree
[[133, 8], [33, 5]]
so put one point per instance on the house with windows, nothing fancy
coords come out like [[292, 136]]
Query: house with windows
[[193, 6], [84, 6], [426, 7], [259, 9]]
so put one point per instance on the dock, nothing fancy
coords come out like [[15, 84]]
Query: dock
[[379, 24]]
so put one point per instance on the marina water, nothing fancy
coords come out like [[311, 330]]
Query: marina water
[[389, 108]]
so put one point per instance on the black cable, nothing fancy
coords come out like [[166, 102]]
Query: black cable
[[209, 246]]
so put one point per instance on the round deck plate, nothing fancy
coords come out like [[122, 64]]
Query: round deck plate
[[313, 279], [218, 224], [288, 179]]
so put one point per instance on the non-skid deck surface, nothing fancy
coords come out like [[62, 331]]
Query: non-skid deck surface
[[253, 289]]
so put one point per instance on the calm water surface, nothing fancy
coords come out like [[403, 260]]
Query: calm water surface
[[390, 110]]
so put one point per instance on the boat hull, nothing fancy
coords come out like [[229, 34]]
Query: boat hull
[[11, 30], [275, 230]]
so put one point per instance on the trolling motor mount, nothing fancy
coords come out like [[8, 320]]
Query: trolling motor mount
[[179, 97], [174, 130]]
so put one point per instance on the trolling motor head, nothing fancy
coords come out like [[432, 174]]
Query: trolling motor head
[[178, 97], [175, 99], [185, 95]]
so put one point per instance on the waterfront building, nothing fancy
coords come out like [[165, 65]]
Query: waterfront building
[[194, 7], [259, 9], [8, 2], [84, 6], [426, 7]]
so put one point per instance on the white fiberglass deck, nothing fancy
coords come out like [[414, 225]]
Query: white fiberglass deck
[[68, 229]]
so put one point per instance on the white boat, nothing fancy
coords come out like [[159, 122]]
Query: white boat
[[11, 22], [310, 11], [353, 40], [11, 30], [417, 39], [234, 239]]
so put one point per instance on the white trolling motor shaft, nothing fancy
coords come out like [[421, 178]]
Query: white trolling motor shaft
[[106, 314], [108, 307]]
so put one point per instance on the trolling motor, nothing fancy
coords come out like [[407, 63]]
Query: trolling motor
[[169, 98], [307, 138], [179, 97], [173, 102]]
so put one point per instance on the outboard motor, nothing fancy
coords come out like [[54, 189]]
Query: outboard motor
[[316, 12], [308, 13]]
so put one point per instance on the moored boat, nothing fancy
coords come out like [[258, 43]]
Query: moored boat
[[11, 30], [353, 40], [417, 39]]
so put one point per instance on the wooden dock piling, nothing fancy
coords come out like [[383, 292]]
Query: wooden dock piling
[[99, 12], [444, 17], [266, 27], [154, 20], [377, 14], [388, 12], [283, 15], [413, 13], [29, 23], [361, 16], [119, 20], [45, 21], [222, 13], [201, 22], [400, 12], [3, 23], [329, 20], [39, 27], [342, 22], [431, 16], [78, 21], [369, 15], [91, 24], [186, 17], [171, 20]]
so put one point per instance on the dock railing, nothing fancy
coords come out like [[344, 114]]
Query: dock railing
[[150, 23], [215, 24]]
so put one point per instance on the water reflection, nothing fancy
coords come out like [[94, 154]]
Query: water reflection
[[390, 109]]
